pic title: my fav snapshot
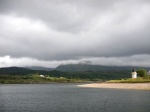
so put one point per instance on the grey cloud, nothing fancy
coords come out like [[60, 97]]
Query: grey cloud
[[73, 30], [66, 15], [135, 60], [60, 15]]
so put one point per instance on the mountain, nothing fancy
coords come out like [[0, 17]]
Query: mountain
[[39, 68], [88, 75], [27, 71], [85, 67], [14, 71], [76, 71]]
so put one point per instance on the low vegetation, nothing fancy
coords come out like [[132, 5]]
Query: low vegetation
[[55, 76], [130, 80], [31, 79]]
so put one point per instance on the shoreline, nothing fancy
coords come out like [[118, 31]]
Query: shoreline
[[137, 86]]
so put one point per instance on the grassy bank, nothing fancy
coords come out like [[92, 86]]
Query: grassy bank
[[130, 80], [33, 79]]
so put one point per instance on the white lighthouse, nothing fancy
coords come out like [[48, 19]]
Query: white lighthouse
[[134, 74]]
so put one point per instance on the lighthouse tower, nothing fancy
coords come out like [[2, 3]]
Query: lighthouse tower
[[134, 74]]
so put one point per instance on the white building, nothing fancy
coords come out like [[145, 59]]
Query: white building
[[134, 74], [42, 76]]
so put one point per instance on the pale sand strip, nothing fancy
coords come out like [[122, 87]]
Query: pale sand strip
[[143, 86]]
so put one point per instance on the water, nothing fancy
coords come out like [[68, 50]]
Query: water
[[70, 98]]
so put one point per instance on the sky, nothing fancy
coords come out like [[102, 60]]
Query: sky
[[49, 33]]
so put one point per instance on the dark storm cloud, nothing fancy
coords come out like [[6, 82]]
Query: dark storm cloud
[[74, 29], [61, 15]]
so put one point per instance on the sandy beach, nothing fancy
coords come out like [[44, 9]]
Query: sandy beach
[[141, 86]]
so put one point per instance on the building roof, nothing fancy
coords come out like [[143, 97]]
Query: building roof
[[133, 70]]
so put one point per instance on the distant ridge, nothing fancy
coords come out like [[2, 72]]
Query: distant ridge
[[26, 71], [14, 70], [85, 67], [39, 68]]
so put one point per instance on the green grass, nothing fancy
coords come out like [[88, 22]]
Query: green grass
[[31, 79], [130, 80], [35, 78]]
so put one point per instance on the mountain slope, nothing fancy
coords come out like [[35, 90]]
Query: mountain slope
[[26, 71], [14, 71], [39, 68], [84, 67], [88, 75]]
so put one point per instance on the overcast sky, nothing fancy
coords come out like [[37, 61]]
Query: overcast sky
[[53, 32]]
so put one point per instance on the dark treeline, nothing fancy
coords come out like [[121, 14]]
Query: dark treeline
[[89, 75], [93, 75]]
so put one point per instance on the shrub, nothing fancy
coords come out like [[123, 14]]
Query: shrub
[[141, 72]]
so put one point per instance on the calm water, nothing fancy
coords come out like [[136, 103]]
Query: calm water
[[70, 98]]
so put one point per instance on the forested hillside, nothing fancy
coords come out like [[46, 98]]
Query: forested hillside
[[85, 67], [89, 75], [74, 71]]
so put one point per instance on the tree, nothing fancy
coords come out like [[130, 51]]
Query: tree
[[141, 72]]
